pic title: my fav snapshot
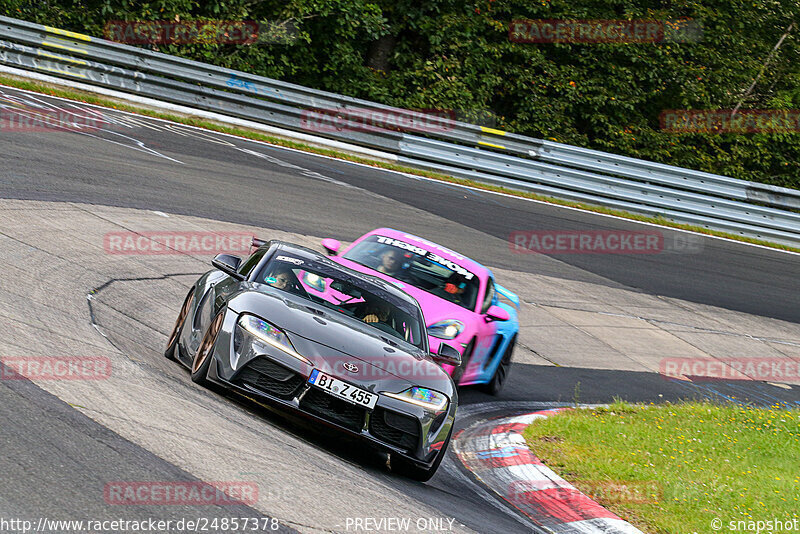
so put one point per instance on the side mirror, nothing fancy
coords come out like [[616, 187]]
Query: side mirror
[[447, 355], [228, 264], [496, 313], [331, 246]]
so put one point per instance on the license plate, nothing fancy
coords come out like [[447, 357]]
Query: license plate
[[343, 390]]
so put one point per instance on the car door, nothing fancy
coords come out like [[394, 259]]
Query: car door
[[485, 334]]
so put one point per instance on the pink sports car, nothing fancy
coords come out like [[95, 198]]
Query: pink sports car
[[459, 298]]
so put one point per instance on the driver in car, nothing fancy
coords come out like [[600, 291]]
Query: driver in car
[[391, 262], [283, 278], [280, 279], [455, 288], [378, 312]]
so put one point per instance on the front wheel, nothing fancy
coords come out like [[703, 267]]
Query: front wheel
[[172, 344], [406, 468], [495, 385], [202, 359]]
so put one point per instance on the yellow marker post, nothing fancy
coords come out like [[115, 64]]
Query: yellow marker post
[[491, 145], [63, 44], [52, 66], [492, 131], [61, 58], [68, 33]]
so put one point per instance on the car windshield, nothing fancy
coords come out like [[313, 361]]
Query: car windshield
[[339, 291], [418, 267]]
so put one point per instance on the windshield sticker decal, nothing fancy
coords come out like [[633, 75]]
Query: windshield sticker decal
[[289, 259], [428, 255]]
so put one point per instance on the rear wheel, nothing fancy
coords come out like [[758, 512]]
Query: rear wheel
[[202, 359], [172, 344], [406, 468], [495, 385]]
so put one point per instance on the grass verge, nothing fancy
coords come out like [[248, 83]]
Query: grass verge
[[91, 98], [674, 468]]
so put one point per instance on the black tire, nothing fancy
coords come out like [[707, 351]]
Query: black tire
[[202, 358], [404, 467], [495, 385], [175, 335], [458, 372]]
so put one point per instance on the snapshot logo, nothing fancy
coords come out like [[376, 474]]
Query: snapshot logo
[[195, 493], [603, 491], [55, 368], [603, 242], [722, 121], [225, 32], [159, 243], [712, 369], [377, 120], [605, 31], [751, 525], [39, 120]]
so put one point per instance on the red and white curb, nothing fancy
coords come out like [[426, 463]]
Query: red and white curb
[[497, 454]]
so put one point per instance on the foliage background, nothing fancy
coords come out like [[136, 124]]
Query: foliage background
[[451, 54]]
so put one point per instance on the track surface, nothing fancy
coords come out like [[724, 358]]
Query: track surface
[[254, 184], [55, 462], [177, 170]]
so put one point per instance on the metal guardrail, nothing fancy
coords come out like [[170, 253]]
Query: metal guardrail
[[460, 149]]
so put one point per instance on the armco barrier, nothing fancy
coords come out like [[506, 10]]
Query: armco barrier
[[467, 150]]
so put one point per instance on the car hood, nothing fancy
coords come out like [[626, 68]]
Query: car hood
[[330, 340]]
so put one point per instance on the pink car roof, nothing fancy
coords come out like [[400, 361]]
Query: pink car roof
[[474, 267]]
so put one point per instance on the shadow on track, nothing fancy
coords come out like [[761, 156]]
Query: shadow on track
[[541, 383]]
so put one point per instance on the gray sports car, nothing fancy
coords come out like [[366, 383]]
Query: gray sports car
[[345, 349]]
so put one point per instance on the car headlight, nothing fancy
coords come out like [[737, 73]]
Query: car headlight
[[447, 329], [427, 398], [269, 334]]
